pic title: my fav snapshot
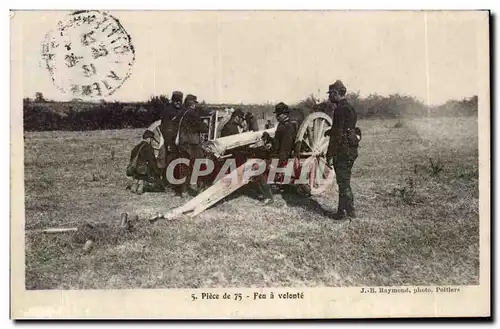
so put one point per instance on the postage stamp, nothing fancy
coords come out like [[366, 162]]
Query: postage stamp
[[89, 54], [255, 165]]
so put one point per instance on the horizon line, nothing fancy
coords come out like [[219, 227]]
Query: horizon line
[[92, 100]]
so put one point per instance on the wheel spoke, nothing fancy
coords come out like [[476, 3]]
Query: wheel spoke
[[315, 133], [312, 171], [310, 136], [320, 173], [307, 162], [320, 134], [318, 177], [321, 131], [312, 142], [328, 172], [322, 127], [307, 143], [323, 145]]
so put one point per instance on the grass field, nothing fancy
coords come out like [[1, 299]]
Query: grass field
[[417, 222]]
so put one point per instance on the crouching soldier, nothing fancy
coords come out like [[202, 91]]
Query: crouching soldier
[[143, 168]]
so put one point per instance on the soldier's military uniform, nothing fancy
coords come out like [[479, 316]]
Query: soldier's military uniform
[[282, 144], [168, 117], [343, 147], [168, 128], [284, 136], [143, 168], [232, 126], [191, 127]]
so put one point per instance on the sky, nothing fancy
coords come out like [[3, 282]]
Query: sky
[[273, 56]]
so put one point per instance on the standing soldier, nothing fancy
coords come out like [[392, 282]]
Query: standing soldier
[[281, 146], [284, 136], [343, 146], [168, 128], [168, 116], [188, 140], [233, 127]]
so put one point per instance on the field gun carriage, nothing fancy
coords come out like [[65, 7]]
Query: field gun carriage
[[310, 149]]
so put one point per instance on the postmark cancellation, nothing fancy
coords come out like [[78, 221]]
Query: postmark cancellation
[[89, 54]]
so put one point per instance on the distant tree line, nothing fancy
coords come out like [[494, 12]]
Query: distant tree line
[[397, 106], [41, 114]]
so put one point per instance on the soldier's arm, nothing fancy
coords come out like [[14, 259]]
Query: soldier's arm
[[276, 140], [337, 128], [203, 127]]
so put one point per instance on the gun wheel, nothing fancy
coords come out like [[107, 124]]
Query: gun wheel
[[311, 146]]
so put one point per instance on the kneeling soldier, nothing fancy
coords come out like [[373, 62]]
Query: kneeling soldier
[[143, 167]]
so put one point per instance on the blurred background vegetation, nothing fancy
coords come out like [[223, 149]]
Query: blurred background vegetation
[[41, 114]]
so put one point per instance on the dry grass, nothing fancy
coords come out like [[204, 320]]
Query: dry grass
[[413, 227]]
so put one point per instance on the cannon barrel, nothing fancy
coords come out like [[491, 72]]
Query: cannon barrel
[[224, 145]]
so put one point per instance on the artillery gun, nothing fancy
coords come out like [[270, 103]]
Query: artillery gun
[[310, 149], [215, 120]]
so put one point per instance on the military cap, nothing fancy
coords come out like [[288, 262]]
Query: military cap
[[191, 97], [281, 108], [336, 86], [177, 96]]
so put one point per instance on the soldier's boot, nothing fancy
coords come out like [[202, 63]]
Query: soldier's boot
[[157, 180], [157, 185], [185, 187], [350, 212], [266, 193], [341, 209], [160, 187], [181, 190], [152, 186]]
